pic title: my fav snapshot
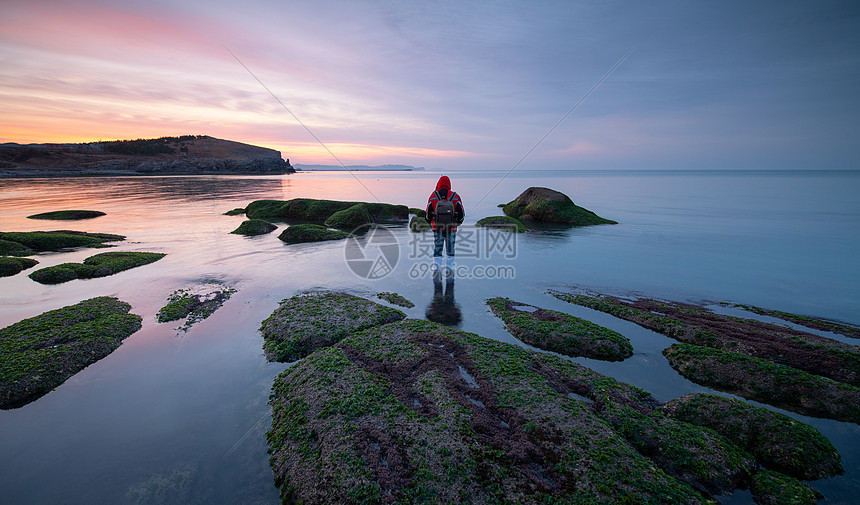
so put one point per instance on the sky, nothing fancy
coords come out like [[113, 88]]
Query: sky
[[460, 84]]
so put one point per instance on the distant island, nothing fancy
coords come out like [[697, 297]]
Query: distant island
[[357, 168], [183, 155]]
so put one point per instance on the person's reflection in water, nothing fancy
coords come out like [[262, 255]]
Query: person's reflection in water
[[443, 309]]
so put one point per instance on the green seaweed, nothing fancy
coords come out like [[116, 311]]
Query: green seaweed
[[506, 223], [57, 240], [767, 382], [99, 265], [13, 265], [68, 215], [350, 218], [419, 224], [561, 333], [773, 488], [318, 211], [299, 233], [253, 227], [183, 303], [561, 210], [39, 353], [395, 299], [306, 322], [809, 322], [10, 248], [776, 440]]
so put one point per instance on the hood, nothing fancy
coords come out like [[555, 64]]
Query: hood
[[444, 182]]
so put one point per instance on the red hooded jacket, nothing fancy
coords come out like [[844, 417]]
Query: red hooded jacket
[[443, 188]]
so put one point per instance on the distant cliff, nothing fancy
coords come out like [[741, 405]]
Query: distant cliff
[[185, 155]]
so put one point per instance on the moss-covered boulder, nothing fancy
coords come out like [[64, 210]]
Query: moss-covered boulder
[[13, 265], [559, 332], [100, 265], [419, 224], [253, 227], [318, 211], [193, 306], [307, 322], [416, 412], [776, 440], [767, 382], [395, 299], [299, 233], [67, 215], [40, 353], [422, 213], [505, 223], [350, 218], [547, 205], [774, 488], [52, 240], [235, 212]]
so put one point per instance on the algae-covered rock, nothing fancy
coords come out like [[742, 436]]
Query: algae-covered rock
[[395, 299], [767, 382], [415, 412], [809, 322], [318, 211], [773, 488], [547, 205], [40, 353], [422, 213], [235, 212], [13, 265], [298, 233], [194, 305], [306, 322], [100, 265], [9, 248], [253, 227], [419, 224], [559, 332], [67, 215], [694, 324], [776, 440], [506, 223], [54, 240], [350, 218]]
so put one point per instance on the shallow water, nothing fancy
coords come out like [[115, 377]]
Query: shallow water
[[180, 417]]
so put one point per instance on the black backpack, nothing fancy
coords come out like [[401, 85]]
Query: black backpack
[[444, 211]]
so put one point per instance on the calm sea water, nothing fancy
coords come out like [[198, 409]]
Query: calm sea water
[[175, 417]]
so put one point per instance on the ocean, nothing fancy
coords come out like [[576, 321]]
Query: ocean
[[180, 417]]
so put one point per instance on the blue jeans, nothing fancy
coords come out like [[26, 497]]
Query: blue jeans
[[441, 237]]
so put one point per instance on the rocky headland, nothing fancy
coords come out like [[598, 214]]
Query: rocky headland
[[184, 155]]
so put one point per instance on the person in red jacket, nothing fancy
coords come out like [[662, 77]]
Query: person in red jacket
[[445, 212]]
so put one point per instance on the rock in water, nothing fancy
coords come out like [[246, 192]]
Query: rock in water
[[548, 205]]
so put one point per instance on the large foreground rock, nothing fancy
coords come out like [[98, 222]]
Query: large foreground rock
[[40, 353], [548, 205], [415, 412]]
